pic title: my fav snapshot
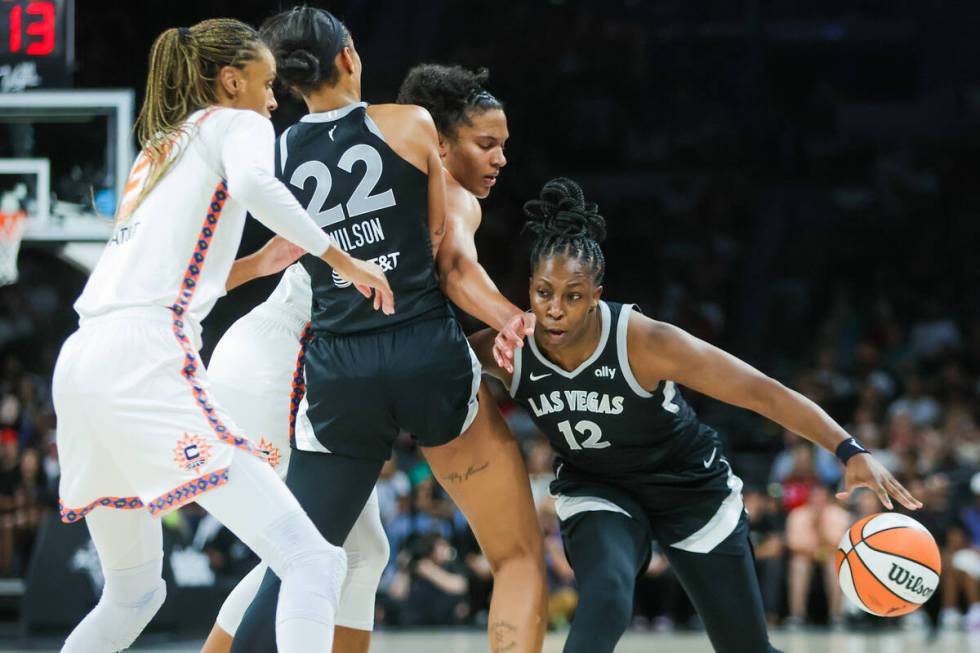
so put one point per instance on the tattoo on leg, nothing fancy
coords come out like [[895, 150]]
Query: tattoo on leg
[[456, 477], [502, 636]]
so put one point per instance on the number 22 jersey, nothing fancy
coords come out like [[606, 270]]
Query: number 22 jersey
[[373, 204]]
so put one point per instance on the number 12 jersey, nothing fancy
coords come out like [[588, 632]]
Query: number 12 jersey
[[597, 417]]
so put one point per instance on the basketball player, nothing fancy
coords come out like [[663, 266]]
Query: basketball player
[[373, 178], [254, 365], [137, 430], [634, 462]]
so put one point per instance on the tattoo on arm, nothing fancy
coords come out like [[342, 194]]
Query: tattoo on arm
[[456, 477], [502, 635]]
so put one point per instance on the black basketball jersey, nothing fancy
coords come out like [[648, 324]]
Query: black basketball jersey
[[598, 418], [374, 205]]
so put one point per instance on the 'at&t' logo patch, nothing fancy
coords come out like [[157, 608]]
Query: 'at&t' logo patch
[[192, 452]]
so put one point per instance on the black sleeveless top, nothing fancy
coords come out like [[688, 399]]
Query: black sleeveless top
[[374, 205], [598, 418]]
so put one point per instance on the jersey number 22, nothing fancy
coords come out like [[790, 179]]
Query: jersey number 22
[[361, 200]]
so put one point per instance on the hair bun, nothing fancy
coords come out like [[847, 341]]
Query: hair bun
[[298, 67], [561, 210]]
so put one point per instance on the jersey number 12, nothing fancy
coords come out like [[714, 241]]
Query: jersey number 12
[[361, 200], [585, 427]]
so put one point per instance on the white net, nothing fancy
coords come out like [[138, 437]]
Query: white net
[[12, 219]]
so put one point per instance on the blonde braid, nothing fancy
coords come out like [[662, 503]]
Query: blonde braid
[[182, 78]]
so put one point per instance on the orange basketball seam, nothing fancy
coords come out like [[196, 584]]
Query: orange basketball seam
[[899, 555], [885, 530], [850, 570]]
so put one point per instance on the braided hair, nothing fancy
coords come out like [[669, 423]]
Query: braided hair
[[450, 93], [184, 67], [565, 224], [305, 41]]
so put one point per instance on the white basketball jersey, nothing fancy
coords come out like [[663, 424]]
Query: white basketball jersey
[[182, 238]]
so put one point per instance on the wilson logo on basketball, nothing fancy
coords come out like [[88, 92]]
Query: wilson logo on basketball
[[913, 583]]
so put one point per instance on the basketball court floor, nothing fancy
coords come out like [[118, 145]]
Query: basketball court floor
[[472, 642]]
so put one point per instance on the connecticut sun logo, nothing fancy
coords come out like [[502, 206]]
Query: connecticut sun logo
[[271, 453], [192, 452]]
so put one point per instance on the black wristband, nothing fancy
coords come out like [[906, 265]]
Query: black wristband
[[848, 449]]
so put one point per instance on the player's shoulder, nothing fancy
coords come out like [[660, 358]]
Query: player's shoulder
[[225, 118], [644, 331], [463, 203], [408, 117]]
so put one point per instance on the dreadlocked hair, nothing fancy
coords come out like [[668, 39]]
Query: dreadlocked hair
[[565, 224], [305, 41], [450, 93], [184, 67]]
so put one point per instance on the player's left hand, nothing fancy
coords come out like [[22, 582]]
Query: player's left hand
[[863, 470], [276, 255], [511, 337]]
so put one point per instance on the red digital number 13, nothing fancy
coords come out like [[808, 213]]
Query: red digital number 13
[[43, 28]]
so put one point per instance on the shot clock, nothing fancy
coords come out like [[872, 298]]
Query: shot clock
[[36, 43]]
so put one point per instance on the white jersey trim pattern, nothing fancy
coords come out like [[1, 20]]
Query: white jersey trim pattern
[[600, 347], [189, 490], [515, 379], [622, 330], [567, 507], [331, 116], [721, 524]]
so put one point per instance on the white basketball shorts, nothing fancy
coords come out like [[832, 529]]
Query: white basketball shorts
[[255, 374], [137, 427]]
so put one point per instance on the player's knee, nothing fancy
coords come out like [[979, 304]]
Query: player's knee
[[367, 561], [120, 616], [311, 585], [521, 557]]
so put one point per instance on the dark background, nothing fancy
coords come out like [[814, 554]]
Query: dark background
[[794, 181], [767, 169]]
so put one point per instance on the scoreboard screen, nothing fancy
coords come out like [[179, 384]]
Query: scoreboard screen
[[36, 43]]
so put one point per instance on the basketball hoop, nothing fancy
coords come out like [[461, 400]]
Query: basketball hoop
[[11, 233]]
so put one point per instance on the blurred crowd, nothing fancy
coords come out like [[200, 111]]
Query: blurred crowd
[[797, 190]]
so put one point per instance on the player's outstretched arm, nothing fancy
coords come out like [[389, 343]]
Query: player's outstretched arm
[[482, 343], [275, 256], [661, 351], [464, 280]]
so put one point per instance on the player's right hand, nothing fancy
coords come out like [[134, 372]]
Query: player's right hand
[[367, 277]]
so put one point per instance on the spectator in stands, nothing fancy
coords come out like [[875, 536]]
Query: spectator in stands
[[394, 489], [562, 595], [766, 528], [965, 559], [9, 480], [540, 459], [430, 587], [921, 409], [813, 531]]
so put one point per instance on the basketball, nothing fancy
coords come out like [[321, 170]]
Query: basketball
[[888, 564]]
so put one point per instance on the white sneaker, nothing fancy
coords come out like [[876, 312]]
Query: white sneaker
[[950, 619], [915, 621], [793, 624], [972, 620]]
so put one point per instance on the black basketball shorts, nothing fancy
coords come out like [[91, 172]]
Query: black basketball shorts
[[362, 390]]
